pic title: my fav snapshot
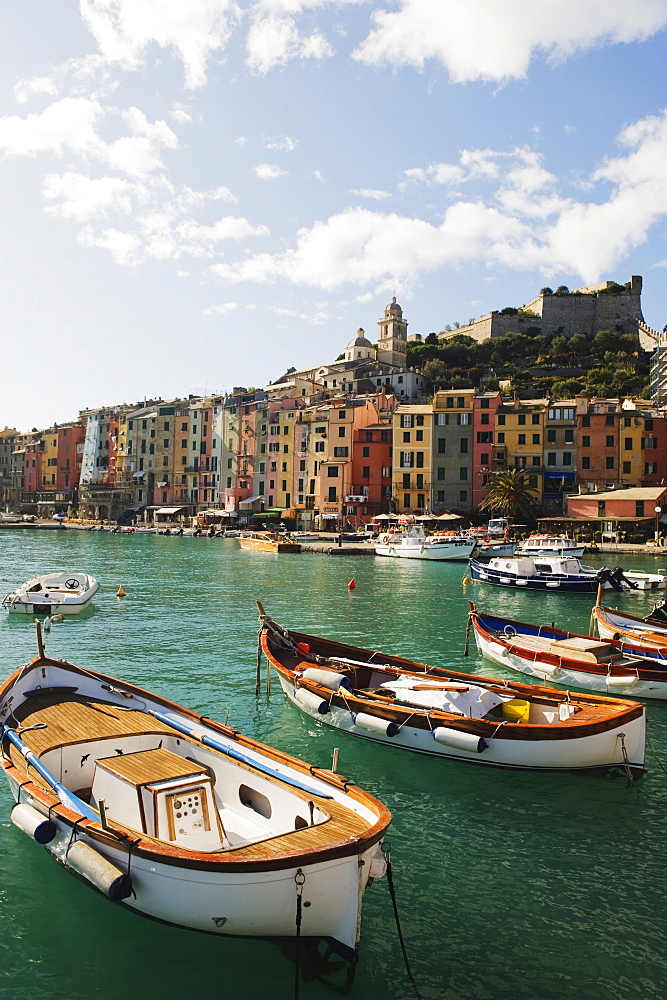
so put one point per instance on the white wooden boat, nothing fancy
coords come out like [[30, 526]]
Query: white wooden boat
[[62, 593], [551, 545], [183, 819], [614, 624], [549, 653], [444, 713], [410, 542]]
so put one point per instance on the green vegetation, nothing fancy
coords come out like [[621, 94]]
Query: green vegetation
[[538, 365], [510, 494]]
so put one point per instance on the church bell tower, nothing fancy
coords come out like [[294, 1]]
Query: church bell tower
[[392, 337]]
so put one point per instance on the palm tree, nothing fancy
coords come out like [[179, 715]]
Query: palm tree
[[510, 495]]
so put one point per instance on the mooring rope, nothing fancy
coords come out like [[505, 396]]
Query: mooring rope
[[386, 850]]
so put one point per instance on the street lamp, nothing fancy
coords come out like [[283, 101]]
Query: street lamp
[[658, 512]]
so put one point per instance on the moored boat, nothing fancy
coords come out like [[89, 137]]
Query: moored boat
[[568, 658], [445, 713], [410, 542], [551, 545], [545, 573], [64, 593], [614, 624], [267, 541], [183, 819]]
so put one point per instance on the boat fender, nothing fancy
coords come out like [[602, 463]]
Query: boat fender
[[497, 649], [328, 678], [95, 868], [618, 681], [461, 741], [375, 725], [33, 823], [310, 700]]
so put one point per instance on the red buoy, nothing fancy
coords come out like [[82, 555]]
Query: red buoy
[[351, 585], [303, 647]]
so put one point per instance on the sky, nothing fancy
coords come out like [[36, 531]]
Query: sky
[[200, 195]]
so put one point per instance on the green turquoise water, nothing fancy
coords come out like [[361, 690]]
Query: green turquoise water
[[509, 885]]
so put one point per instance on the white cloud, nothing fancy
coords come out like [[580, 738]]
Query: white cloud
[[487, 40], [282, 144], [268, 171], [274, 37], [75, 196], [124, 247], [372, 193], [523, 223], [195, 30], [221, 310], [68, 124]]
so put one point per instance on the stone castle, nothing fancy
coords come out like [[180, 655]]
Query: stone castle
[[605, 306]]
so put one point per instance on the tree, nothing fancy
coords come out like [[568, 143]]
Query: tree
[[510, 495], [437, 372], [566, 388], [562, 290]]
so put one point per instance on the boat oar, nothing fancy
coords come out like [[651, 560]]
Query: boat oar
[[68, 799], [182, 727]]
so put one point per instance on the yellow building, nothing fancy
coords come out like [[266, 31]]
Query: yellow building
[[412, 477], [520, 428]]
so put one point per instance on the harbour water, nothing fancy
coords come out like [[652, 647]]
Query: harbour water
[[509, 885]]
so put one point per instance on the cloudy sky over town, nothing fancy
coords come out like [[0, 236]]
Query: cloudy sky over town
[[199, 195]]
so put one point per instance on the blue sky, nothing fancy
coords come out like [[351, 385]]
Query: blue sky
[[201, 195]]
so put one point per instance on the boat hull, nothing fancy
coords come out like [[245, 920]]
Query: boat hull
[[439, 551], [483, 573], [587, 753]]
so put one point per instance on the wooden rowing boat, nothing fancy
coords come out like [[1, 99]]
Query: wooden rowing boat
[[444, 713], [267, 541], [614, 624], [609, 666], [183, 819]]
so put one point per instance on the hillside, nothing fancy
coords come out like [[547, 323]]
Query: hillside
[[608, 364]]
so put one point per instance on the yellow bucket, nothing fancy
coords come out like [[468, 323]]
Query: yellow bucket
[[516, 710]]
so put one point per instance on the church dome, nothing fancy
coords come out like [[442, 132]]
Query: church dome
[[360, 340], [393, 307]]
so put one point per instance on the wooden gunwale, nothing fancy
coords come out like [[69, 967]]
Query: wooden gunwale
[[420, 718], [656, 640], [345, 834], [644, 672]]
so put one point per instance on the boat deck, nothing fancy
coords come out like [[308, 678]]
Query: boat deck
[[71, 718]]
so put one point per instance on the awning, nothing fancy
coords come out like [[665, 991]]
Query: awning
[[138, 475], [289, 513], [450, 517], [162, 484], [250, 500], [136, 506], [559, 475], [169, 510]]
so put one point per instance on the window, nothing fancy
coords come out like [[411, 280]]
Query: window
[[500, 437], [419, 420], [484, 403], [369, 436], [406, 420], [648, 425], [463, 446], [610, 440], [551, 436], [341, 432], [283, 485], [639, 508], [440, 475], [365, 452], [462, 419], [627, 468], [522, 418], [463, 496], [366, 472], [319, 446], [406, 437], [609, 462], [406, 480], [332, 471], [601, 508], [441, 419], [586, 462], [460, 402], [609, 420], [586, 441], [522, 438], [420, 459], [650, 468], [485, 418], [332, 494], [406, 500], [551, 458], [450, 402], [567, 458], [386, 471], [442, 446], [500, 418], [569, 435], [484, 437], [536, 438], [463, 473], [484, 458], [384, 435], [342, 415], [406, 459], [421, 500], [585, 421], [628, 444], [419, 435], [535, 419], [302, 466], [340, 452], [441, 496], [320, 430]]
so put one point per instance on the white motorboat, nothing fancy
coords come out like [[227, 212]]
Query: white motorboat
[[410, 542], [551, 545], [64, 593], [183, 819]]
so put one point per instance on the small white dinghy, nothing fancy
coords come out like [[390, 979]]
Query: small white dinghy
[[183, 819], [62, 593]]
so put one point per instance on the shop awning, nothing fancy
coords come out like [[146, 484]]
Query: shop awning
[[169, 510], [250, 500], [138, 475]]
